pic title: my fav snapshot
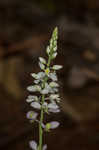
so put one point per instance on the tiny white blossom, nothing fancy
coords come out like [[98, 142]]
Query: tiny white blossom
[[45, 147], [53, 106], [42, 66], [40, 75], [31, 88], [42, 60], [54, 124], [57, 67], [54, 110], [34, 75], [54, 84], [53, 76], [38, 88], [31, 115], [33, 145], [45, 91], [54, 55], [48, 50], [36, 81], [31, 98], [55, 48], [36, 105], [45, 104], [54, 96]]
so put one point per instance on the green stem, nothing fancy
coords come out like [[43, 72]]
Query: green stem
[[42, 111], [40, 126]]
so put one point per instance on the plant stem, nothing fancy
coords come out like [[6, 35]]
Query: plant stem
[[40, 126], [42, 111]]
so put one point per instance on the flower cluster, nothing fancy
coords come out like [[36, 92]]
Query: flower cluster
[[45, 97]]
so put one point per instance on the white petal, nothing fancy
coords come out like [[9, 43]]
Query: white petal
[[54, 110], [45, 147], [54, 124], [41, 66], [54, 96], [54, 55], [31, 88], [45, 104], [45, 91], [53, 106], [55, 48], [48, 50], [38, 88], [53, 76], [42, 60], [36, 105], [54, 84], [40, 75], [34, 75], [31, 98], [33, 145], [57, 67], [31, 115], [36, 81]]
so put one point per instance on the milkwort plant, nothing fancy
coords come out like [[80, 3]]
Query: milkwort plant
[[47, 99]]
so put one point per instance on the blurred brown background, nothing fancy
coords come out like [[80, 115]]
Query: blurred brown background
[[25, 28]]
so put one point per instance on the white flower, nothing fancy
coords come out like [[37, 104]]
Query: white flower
[[54, 55], [38, 88], [54, 84], [33, 145], [55, 48], [31, 98], [34, 75], [31, 115], [47, 89], [54, 110], [35, 88], [36, 105], [42, 66], [53, 106], [36, 81], [40, 75], [45, 147], [54, 96], [31, 88], [54, 124], [45, 104], [53, 76], [48, 50], [57, 67], [42, 60]]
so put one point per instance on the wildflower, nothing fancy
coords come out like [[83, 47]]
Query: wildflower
[[53, 76], [45, 83], [32, 115], [42, 60], [35, 105], [31, 98], [57, 67], [53, 106]]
